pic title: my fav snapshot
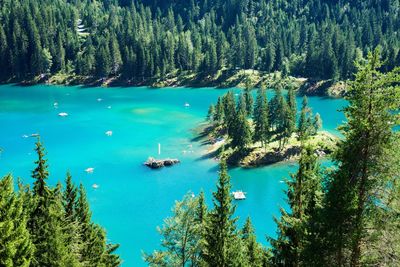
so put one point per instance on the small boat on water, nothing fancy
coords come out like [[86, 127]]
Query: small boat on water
[[95, 186], [89, 170], [187, 105], [109, 133], [34, 135], [63, 114], [99, 99], [239, 195]]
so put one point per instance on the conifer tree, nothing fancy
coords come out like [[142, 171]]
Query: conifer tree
[[211, 113], [292, 112], [241, 105], [219, 111], [317, 123], [94, 250], [253, 249], [241, 132], [260, 118], [229, 111], [221, 228], [303, 129], [249, 100], [368, 161], [16, 248], [69, 198], [304, 199], [45, 225]]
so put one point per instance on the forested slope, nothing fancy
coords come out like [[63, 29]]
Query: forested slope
[[319, 39]]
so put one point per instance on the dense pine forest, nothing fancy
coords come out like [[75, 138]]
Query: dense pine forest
[[141, 39], [49, 226]]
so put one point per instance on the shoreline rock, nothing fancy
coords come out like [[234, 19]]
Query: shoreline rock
[[159, 163]]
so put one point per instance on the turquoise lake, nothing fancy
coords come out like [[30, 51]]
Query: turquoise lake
[[132, 200]]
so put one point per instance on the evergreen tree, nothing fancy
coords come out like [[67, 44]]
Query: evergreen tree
[[241, 132], [241, 105], [219, 111], [260, 118], [304, 126], [249, 100], [45, 219], [16, 248], [69, 198], [292, 112], [229, 111], [211, 113], [304, 199], [367, 160], [317, 123], [253, 249], [220, 235], [93, 250]]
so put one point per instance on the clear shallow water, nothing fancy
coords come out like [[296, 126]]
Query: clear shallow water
[[132, 200]]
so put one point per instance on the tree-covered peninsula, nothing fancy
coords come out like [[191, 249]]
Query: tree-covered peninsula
[[258, 132], [203, 42]]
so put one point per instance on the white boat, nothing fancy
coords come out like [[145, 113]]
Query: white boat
[[109, 107], [89, 170], [55, 104], [99, 99], [34, 135], [25, 136], [239, 195], [95, 186], [109, 133], [63, 114], [187, 105]]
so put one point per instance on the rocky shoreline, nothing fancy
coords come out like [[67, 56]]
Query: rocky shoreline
[[222, 79]]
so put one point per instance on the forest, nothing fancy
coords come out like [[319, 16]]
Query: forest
[[347, 215], [143, 39], [50, 226], [274, 120]]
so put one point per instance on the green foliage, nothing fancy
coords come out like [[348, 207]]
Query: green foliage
[[16, 247], [249, 101], [220, 235], [260, 118], [253, 249], [304, 196], [47, 226], [211, 113], [229, 111], [305, 127], [182, 235], [150, 39], [240, 132], [359, 190], [317, 124]]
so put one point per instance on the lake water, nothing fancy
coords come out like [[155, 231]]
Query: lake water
[[132, 200]]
